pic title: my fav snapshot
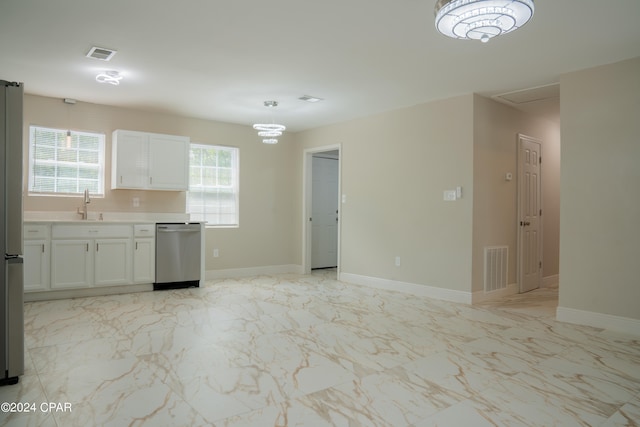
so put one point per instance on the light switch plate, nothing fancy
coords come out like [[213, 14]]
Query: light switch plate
[[450, 195]]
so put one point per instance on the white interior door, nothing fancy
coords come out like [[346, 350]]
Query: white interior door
[[529, 214], [324, 231]]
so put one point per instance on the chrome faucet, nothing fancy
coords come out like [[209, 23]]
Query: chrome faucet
[[85, 201]]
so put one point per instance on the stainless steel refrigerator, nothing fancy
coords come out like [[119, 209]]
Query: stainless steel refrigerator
[[11, 274]]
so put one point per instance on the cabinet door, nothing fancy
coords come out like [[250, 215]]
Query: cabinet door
[[130, 167], [36, 265], [112, 262], [144, 261], [71, 265], [168, 162]]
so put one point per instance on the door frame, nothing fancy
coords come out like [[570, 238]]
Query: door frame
[[522, 137], [307, 201]]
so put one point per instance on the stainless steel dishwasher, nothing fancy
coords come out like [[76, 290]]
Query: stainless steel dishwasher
[[177, 255]]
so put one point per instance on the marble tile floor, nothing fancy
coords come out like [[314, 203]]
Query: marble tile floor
[[293, 350]]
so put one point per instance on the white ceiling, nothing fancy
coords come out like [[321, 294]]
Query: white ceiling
[[220, 59]]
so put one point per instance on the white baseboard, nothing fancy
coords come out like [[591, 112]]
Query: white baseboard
[[409, 288], [231, 273], [87, 292], [482, 296], [625, 325], [551, 281]]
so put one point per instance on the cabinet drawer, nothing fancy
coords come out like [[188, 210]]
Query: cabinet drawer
[[90, 231], [144, 230], [36, 232]]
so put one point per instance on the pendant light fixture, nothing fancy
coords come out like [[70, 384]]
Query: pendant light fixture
[[269, 132], [69, 102], [481, 19]]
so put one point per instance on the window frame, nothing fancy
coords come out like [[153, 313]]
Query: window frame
[[33, 162], [235, 183]]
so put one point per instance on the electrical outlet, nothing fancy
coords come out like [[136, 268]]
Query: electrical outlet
[[136, 202], [216, 253], [397, 261]]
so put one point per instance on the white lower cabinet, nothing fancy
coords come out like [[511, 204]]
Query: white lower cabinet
[[84, 256], [37, 248], [71, 264], [74, 256], [144, 253], [144, 261], [36, 265], [112, 262]]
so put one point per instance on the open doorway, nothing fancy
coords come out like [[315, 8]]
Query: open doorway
[[321, 209]]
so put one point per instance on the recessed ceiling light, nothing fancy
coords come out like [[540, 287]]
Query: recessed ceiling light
[[309, 98], [101, 53]]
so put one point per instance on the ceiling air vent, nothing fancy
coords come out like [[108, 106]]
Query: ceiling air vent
[[101, 53]]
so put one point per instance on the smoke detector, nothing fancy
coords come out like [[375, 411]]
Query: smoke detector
[[101, 53]]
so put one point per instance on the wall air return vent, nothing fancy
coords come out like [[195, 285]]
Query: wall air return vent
[[101, 53], [496, 262]]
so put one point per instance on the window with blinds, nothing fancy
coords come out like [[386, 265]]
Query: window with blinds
[[213, 185], [65, 162]]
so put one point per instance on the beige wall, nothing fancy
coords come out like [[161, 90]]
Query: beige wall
[[600, 208], [265, 236], [496, 127], [395, 167]]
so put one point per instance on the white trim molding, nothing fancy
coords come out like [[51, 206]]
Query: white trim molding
[[307, 178], [625, 325], [86, 292], [482, 296], [231, 273], [408, 288], [551, 281]]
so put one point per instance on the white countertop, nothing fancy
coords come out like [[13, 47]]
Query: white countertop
[[108, 217]]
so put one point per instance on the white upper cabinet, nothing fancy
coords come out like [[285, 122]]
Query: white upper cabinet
[[129, 164], [149, 161], [168, 162]]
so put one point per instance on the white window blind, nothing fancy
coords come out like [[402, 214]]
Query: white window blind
[[213, 184], [59, 164]]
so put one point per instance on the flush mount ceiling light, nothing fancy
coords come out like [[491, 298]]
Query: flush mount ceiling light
[[111, 77], [310, 98], [269, 132], [481, 19]]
